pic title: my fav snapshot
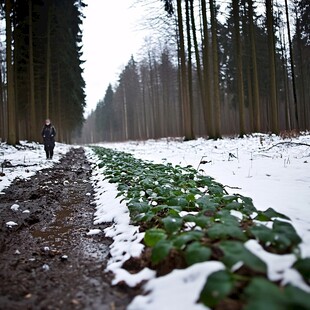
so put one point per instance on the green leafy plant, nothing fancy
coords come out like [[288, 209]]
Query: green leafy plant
[[303, 266], [261, 293], [182, 211], [219, 285]]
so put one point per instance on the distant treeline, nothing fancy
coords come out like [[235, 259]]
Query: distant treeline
[[248, 73]]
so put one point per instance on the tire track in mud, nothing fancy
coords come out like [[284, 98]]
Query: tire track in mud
[[47, 261]]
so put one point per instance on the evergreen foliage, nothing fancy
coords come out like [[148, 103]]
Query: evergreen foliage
[[48, 83]]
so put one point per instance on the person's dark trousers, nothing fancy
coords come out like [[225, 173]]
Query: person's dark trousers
[[49, 150]]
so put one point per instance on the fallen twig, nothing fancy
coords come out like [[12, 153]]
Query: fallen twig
[[232, 187], [288, 142]]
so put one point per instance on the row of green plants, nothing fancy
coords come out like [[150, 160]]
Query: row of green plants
[[185, 212]]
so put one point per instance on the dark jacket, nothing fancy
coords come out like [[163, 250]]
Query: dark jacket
[[48, 133]]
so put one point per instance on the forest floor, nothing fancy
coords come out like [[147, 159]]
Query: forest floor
[[47, 260]]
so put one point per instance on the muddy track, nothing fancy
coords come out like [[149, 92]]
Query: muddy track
[[47, 260]]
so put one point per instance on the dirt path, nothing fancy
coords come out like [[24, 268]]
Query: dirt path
[[47, 261]]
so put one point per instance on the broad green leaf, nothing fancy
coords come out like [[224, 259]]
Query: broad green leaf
[[268, 214], [206, 203], [182, 239], [262, 233], [200, 220], [161, 250], [123, 187], [138, 207], [271, 213], [229, 198], [153, 236], [225, 217], [172, 210], [296, 298], [177, 201], [235, 251], [176, 192], [162, 191], [225, 231], [135, 194], [114, 180], [147, 183], [159, 208], [197, 253], [143, 217], [303, 266], [262, 294], [248, 207], [101, 165], [261, 216], [286, 232], [190, 197], [172, 224], [218, 286], [282, 236], [205, 180], [216, 190], [234, 206]]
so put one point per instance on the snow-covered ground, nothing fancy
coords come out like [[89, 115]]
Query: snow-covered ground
[[274, 174], [26, 160]]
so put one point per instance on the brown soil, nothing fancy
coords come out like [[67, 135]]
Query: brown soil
[[48, 261]]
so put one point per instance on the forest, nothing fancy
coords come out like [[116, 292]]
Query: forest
[[41, 74], [219, 68], [216, 68]]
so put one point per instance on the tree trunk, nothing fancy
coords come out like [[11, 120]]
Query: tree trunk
[[187, 124], [2, 107], [125, 120], [207, 106], [216, 92], [255, 92], [272, 68], [286, 87], [292, 65], [11, 105], [197, 54], [48, 60], [250, 95], [239, 68], [303, 79], [59, 116], [33, 135], [189, 67]]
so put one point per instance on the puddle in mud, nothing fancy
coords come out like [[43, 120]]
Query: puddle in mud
[[57, 232], [61, 232]]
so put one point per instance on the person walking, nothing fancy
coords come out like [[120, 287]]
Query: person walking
[[48, 134]]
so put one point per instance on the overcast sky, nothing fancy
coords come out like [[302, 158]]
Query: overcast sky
[[110, 36]]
